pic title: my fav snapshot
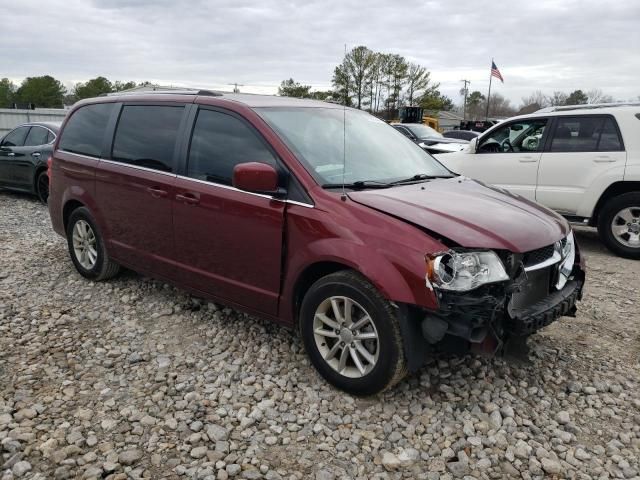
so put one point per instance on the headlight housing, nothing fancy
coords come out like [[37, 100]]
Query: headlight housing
[[464, 271], [568, 254]]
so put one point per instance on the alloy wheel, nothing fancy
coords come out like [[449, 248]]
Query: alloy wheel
[[84, 244], [43, 188], [626, 227], [346, 336]]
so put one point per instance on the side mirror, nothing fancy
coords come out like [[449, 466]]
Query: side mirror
[[256, 177], [473, 145]]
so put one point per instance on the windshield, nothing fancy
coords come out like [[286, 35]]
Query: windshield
[[422, 131], [375, 151]]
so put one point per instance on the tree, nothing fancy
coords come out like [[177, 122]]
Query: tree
[[475, 103], [432, 99], [291, 88], [598, 96], [558, 99], [358, 64], [44, 92], [499, 106], [577, 97], [93, 88], [417, 80], [322, 95], [399, 69], [341, 82], [118, 86], [7, 93]]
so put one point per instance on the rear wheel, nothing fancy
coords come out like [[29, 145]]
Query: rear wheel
[[619, 225], [42, 186], [86, 247], [352, 334]]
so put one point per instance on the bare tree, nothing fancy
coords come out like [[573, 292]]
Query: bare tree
[[597, 96], [417, 80], [558, 98]]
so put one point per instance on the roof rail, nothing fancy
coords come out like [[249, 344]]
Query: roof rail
[[194, 91], [591, 106]]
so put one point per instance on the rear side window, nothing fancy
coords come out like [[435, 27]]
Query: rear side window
[[84, 132], [37, 136], [15, 138], [146, 136], [219, 143], [585, 134]]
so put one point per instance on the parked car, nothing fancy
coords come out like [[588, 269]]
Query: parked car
[[461, 134], [377, 253], [582, 161], [429, 139], [23, 158]]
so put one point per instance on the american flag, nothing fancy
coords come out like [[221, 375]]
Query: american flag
[[495, 72]]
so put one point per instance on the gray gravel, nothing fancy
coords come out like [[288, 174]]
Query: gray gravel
[[134, 378]]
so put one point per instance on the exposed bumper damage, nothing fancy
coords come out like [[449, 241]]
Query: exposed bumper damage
[[485, 319]]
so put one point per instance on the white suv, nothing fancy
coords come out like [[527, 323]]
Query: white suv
[[582, 161]]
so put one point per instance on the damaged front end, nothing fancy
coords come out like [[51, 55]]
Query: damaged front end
[[488, 298]]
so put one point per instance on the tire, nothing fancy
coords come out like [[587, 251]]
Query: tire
[[383, 365], [617, 211], [42, 186], [94, 264]]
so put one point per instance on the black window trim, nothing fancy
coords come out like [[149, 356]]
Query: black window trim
[[284, 174], [555, 118], [31, 127], [112, 127]]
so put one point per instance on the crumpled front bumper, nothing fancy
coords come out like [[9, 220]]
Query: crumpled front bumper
[[525, 321]]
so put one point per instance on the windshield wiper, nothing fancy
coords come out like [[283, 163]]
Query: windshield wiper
[[419, 177], [360, 184]]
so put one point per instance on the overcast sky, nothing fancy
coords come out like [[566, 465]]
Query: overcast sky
[[538, 45]]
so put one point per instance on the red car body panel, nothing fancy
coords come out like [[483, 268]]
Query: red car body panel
[[250, 250]]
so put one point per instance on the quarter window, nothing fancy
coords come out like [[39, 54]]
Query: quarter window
[[219, 143], [84, 131], [522, 136], [15, 138], [146, 136], [585, 134], [37, 136]]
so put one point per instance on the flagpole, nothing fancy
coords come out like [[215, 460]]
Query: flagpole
[[486, 117]]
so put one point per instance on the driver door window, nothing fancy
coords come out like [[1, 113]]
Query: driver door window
[[508, 156], [524, 136]]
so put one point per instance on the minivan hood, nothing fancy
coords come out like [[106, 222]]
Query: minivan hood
[[470, 213]]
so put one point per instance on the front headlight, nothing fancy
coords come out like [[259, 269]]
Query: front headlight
[[463, 271], [568, 252]]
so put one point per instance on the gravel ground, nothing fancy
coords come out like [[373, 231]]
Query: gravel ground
[[134, 378]]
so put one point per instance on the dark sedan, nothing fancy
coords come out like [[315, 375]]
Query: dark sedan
[[23, 158], [429, 139], [462, 134]]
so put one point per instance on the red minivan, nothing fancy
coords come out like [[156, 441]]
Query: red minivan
[[318, 217]]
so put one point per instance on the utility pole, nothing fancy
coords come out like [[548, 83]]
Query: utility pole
[[235, 87], [466, 90]]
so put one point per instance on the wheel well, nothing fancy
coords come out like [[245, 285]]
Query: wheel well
[[69, 207], [613, 190], [309, 276], [39, 170]]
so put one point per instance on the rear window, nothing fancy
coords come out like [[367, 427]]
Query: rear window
[[585, 134], [146, 136], [37, 136], [84, 132]]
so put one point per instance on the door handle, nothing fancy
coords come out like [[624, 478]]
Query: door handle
[[11, 154], [604, 159], [527, 159], [188, 198], [157, 192], [35, 154]]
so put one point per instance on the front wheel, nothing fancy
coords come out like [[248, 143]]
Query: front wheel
[[619, 225], [352, 334]]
